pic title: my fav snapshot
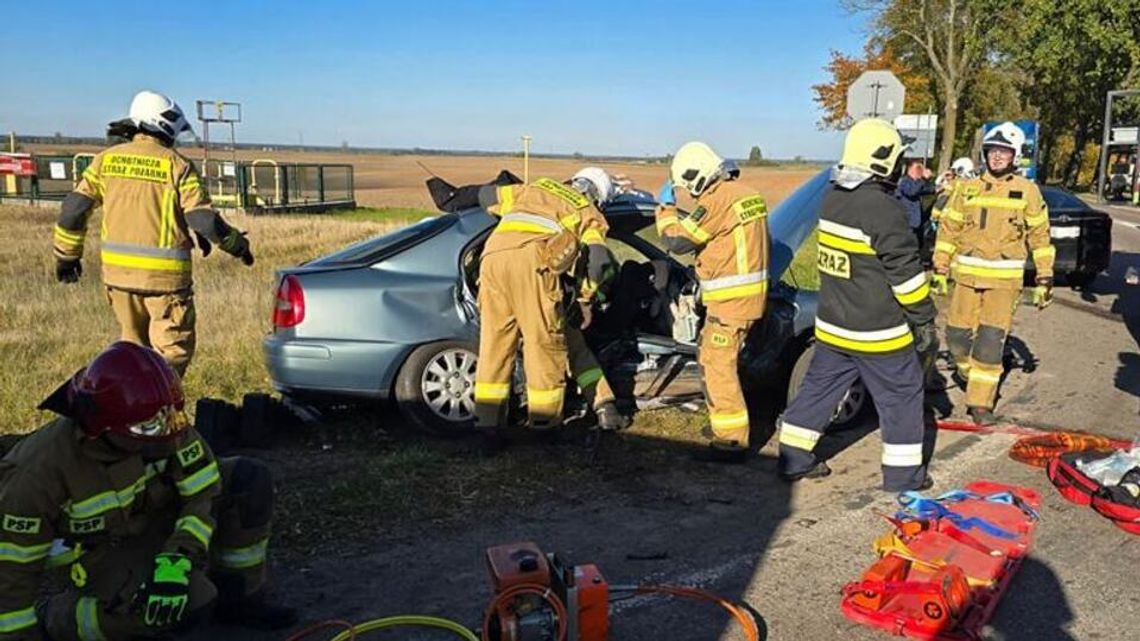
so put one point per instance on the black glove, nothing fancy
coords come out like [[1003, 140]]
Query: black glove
[[599, 264], [247, 257], [926, 338], [68, 271], [236, 245], [204, 245], [166, 593]]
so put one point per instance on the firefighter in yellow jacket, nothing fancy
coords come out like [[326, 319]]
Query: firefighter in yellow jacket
[[537, 241], [124, 501], [728, 233], [152, 200], [989, 227]]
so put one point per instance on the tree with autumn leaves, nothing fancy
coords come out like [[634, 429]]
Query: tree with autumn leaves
[[977, 60]]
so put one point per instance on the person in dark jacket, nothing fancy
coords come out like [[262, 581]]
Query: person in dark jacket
[[874, 316], [914, 184]]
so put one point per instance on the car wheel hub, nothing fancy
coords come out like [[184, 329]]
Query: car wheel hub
[[448, 385]]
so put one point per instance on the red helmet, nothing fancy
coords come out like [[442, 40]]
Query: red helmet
[[129, 390]]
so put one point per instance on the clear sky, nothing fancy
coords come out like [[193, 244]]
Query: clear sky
[[614, 77]]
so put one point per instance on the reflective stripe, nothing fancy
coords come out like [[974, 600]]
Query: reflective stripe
[[142, 250], [664, 221], [506, 199], [492, 391], [68, 238], [529, 223], [974, 266], [199, 480], [896, 455], [885, 340], [729, 420], [166, 229], [197, 528], [87, 619], [96, 182], [149, 258], [1048, 251], [917, 296], [983, 376], [724, 282], [590, 377], [17, 620], [740, 240], [23, 553], [913, 290], [798, 437], [997, 202], [593, 237], [910, 284], [544, 396], [694, 230], [954, 215], [242, 558], [109, 500], [943, 246], [843, 231], [740, 291], [571, 221], [1037, 221], [61, 555], [852, 246]]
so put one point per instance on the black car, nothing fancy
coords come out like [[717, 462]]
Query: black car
[[1081, 234]]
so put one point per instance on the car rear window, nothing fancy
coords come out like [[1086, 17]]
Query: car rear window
[[1057, 199], [380, 247]]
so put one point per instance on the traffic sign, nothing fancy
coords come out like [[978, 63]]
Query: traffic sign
[[17, 164], [876, 94]]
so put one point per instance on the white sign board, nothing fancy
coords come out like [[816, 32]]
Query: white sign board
[[57, 170], [876, 94], [228, 169], [1124, 135], [921, 130]]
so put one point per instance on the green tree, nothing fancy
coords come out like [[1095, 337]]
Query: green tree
[[755, 156]]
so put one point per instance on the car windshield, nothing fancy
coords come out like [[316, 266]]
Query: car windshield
[[379, 247], [1058, 199]]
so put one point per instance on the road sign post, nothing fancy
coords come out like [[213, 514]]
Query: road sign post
[[876, 94]]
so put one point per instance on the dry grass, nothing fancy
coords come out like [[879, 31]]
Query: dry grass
[[48, 330]]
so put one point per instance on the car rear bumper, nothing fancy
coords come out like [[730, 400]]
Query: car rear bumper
[[309, 368]]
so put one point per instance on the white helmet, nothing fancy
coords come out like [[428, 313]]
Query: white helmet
[[595, 183], [696, 166], [1007, 135], [157, 114], [963, 167]]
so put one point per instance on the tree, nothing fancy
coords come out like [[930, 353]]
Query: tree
[[755, 156], [844, 70], [954, 37]]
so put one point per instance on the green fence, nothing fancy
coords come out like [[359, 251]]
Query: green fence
[[55, 177]]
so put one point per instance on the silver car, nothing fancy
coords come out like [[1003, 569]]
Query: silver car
[[394, 317]]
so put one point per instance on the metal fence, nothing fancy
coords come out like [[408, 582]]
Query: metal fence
[[55, 176]]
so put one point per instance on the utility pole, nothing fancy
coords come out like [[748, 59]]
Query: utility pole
[[526, 159]]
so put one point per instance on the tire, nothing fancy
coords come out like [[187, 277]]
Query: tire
[[852, 406], [435, 388]]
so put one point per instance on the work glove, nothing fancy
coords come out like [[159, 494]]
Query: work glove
[[939, 284], [926, 338], [667, 196], [1043, 292], [237, 245], [166, 593], [68, 271], [204, 245]]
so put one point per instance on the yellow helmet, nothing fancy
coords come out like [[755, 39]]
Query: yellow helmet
[[874, 146], [695, 167]]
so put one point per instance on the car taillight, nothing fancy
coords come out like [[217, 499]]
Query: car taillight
[[289, 308]]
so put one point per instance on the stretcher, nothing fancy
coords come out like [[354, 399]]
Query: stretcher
[[946, 562]]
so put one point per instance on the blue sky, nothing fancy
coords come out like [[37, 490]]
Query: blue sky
[[615, 77]]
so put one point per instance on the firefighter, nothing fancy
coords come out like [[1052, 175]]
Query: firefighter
[[122, 500], [960, 171], [874, 316], [989, 227], [728, 233], [152, 199], [544, 225]]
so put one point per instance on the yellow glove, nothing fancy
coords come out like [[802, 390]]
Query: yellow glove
[[939, 285], [1043, 293]]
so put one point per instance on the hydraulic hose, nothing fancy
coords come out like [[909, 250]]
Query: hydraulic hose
[[741, 612], [1037, 446], [407, 620]]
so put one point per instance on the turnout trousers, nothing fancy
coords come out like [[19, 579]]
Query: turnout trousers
[[979, 322], [896, 384], [164, 322], [718, 354], [586, 371], [520, 300], [99, 604]]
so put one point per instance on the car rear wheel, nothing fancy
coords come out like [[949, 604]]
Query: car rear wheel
[[435, 388], [853, 403]]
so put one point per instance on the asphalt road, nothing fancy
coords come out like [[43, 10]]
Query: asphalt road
[[788, 550]]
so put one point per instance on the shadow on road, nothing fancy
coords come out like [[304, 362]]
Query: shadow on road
[[1035, 607], [1127, 304]]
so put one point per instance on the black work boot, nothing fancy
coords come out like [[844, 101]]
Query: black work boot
[[982, 415], [610, 419], [722, 451], [818, 471], [256, 614]]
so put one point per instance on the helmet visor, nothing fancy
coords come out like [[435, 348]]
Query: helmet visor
[[168, 423]]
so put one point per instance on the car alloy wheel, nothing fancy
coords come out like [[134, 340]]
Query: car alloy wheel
[[448, 385], [851, 405]]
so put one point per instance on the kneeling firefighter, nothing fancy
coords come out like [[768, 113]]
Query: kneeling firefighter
[[728, 233], [874, 318], [990, 226], [125, 502], [537, 241]]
